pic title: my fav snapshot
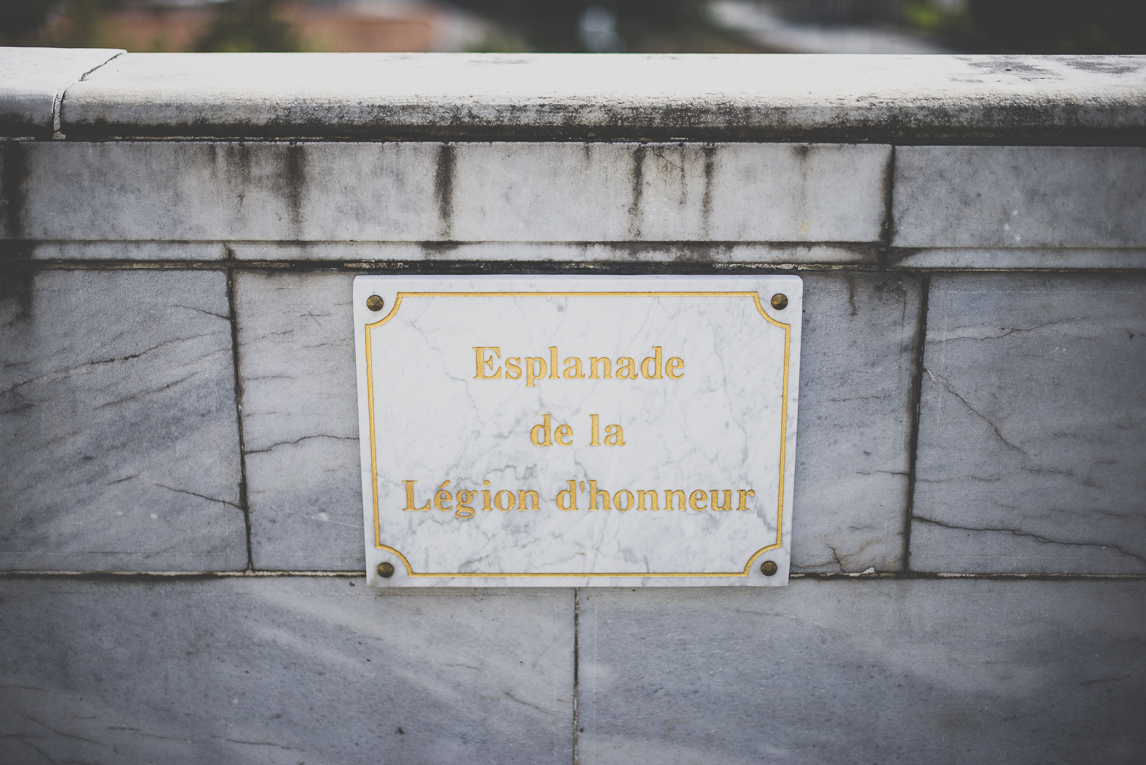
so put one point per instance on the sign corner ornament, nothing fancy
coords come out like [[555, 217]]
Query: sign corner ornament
[[577, 431]]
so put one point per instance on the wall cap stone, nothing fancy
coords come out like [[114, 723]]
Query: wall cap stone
[[1063, 100], [31, 81]]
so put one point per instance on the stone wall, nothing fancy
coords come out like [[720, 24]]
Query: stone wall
[[180, 502]]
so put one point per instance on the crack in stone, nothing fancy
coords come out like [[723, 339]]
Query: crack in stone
[[1036, 537], [300, 440], [948, 387], [200, 496]]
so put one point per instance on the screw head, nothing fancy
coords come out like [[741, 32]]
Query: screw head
[[769, 568], [779, 301], [386, 570], [375, 303]]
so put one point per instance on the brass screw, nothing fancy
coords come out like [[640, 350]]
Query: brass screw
[[769, 568], [386, 570], [375, 303], [779, 301]]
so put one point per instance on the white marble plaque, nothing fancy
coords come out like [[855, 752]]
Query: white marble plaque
[[577, 431]]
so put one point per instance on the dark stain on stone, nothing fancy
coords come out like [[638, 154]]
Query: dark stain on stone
[[1100, 64], [16, 278], [444, 188], [850, 278], [887, 187], [14, 164], [706, 199], [637, 176], [294, 183], [15, 255]]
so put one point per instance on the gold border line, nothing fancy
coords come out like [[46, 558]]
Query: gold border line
[[627, 575]]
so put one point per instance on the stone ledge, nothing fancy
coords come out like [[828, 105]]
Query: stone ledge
[[31, 81], [905, 99]]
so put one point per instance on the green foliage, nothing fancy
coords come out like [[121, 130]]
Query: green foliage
[[248, 25]]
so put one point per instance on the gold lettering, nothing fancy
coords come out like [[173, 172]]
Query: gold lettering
[[626, 368], [513, 367], [570, 495], [595, 494], [464, 497], [593, 364], [652, 494], [438, 501], [743, 498], [628, 500], [695, 499], [524, 495], [593, 437], [510, 498], [727, 500], [674, 493], [544, 426], [673, 364], [656, 364], [485, 498], [553, 373], [614, 436], [563, 432], [483, 362], [534, 370], [410, 497], [573, 369]]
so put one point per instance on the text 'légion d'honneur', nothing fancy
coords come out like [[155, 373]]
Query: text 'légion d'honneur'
[[552, 432]]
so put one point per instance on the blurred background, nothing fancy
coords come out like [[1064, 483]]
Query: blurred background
[[604, 26]]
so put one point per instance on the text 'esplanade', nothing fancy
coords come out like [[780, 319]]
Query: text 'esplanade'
[[488, 366]]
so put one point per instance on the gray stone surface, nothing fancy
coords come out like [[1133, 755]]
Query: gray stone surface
[[300, 424], [699, 253], [31, 79], [994, 258], [665, 192], [1031, 456], [300, 420], [852, 446], [1019, 196], [699, 97], [867, 670], [118, 437], [477, 192], [282, 670]]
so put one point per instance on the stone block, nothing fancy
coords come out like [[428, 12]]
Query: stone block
[[1031, 456], [300, 420], [864, 670], [32, 79], [118, 436], [746, 97], [506, 192], [476, 192], [282, 670], [1019, 196], [854, 422]]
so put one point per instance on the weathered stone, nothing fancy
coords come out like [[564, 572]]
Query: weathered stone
[[474, 192], [31, 81], [1003, 258], [864, 670], [696, 97], [1019, 196], [282, 670], [118, 437], [852, 444], [300, 420], [1031, 457]]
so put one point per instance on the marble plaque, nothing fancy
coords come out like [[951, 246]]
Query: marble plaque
[[577, 431]]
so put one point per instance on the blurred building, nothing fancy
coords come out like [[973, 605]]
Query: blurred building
[[314, 25]]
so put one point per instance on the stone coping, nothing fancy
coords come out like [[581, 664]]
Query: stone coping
[[1062, 100]]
